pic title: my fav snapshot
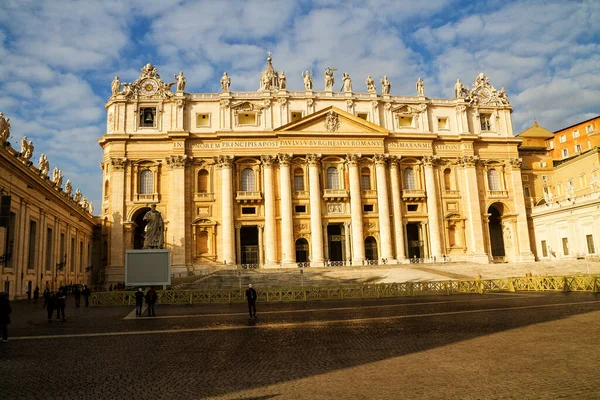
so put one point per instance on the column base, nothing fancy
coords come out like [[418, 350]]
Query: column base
[[317, 264], [358, 262], [526, 257]]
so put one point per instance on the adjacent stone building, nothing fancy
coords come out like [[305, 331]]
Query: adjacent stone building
[[46, 230], [285, 178]]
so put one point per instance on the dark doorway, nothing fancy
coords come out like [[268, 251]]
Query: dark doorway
[[249, 244], [140, 224], [415, 244], [301, 250], [334, 239], [370, 248], [495, 227]]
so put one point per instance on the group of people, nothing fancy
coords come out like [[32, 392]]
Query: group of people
[[150, 296], [58, 300], [117, 286]]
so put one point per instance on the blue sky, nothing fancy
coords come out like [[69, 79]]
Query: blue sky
[[59, 57]]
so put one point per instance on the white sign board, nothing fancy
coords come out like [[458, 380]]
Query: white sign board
[[147, 267]]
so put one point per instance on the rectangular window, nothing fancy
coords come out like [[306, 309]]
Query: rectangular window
[[296, 116], [49, 242], [565, 243], [575, 133], [590, 244], [10, 238], [486, 122], [148, 117], [364, 116], [72, 260], [527, 193], [405, 121], [412, 207], [543, 164], [365, 182], [368, 207], [443, 123], [300, 209], [563, 138], [551, 144], [81, 257], [577, 148], [589, 129], [63, 252], [32, 244], [544, 249], [202, 120], [247, 119], [565, 153], [298, 183], [544, 177], [525, 178], [248, 210]]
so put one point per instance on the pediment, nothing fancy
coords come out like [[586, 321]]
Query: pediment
[[332, 120]]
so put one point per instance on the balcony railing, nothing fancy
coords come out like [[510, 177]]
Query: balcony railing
[[413, 194], [146, 198], [300, 194], [204, 197], [335, 194], [369, 193], [248, 197], [498, 194]]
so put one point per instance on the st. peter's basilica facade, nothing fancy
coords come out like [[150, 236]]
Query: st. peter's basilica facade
[[286, 178]]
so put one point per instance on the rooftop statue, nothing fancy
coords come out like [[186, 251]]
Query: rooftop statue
[[459, 89], [420, 87], [347, 82], [329, 80], [28, 151], [115, 86], [180, 82], [77, 195], [371, 85], [44, 166], [282, 80], [4, 128], [91, 208], [386, 86], [23, 145], [57, 177], [225, 82], [308, 82], [154, 238], [68, 188]]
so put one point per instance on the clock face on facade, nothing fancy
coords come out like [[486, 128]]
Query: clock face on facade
[[484, 95], [149, 86]]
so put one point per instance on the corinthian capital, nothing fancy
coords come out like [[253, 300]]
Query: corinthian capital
[[177, 161], [430, 161], [268, 160], [468, 161], [380, 159], [313, 159], [118, 163], [284, 159], [352, 159], [223, 161], [516, 162]]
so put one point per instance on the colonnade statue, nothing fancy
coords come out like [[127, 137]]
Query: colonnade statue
[[154, 237]]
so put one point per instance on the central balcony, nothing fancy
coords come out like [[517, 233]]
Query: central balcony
[[248, 197], [335, 194], [413, 195]]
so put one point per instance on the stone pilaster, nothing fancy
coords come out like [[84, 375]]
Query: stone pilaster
[[287, 233], [228, 244], [347, 246], [397, 210], [385, 232], [116, 270], [270, 228], [524, 253], [316, 235], [358, 247], [432, 206], [176, 237], [473, 210]]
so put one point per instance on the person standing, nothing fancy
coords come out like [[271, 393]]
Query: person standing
[[86, 295], [50, 304], [77, 294], [251, 297], [36, 294], [151, 298], [46, 294], [5, 312], [61, 302], [139, 302]]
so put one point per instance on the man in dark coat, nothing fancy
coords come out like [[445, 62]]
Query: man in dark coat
[[151, 298], [50, 304], [86, 295], [5, 312], [251, 297], [139, 302], [61, 302], [77, 295], [36, 294]]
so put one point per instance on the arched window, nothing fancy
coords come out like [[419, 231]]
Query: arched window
[[447, 179], [248, 180], [493, 179], [106, 189], [409, 179], [332, 178], [146, 182], [203, 181], [298, 179], [370, 248], [365, 179]]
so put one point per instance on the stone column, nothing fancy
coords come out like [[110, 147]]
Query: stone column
[[261, 259], [226, 163], [176, 212], [270, 227], [397, 210], [385, 232], [287, 233], [476, 239], [325, 244], [238, 244], [522, 239], [347, 241], [432, 206], [358, 247], [116, 269], [316, 235]]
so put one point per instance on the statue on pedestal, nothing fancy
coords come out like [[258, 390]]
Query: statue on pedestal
[[329, 81], [77, 195], [308, 83], [371, 85], [225, 82], [154, 238], [282, 80], [386, 86], [420, 87], [180, 82], [44, 166], [57, 177], [459, 89], [68, 188], [347, 82], [115, 86], [4, 128]]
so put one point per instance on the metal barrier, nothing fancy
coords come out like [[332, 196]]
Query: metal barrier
[[576, 283]]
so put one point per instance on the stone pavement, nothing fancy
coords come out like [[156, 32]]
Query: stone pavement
[[492, 346]]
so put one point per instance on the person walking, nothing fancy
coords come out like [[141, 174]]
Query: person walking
[[151, 298], [61, 302], [77, 295], [86, 295], [139, 302], [251, 297], [36, 294], [5, 312], [50, 304], [46, 294]]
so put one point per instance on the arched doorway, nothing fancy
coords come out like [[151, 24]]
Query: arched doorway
[[370, 248], [495, 228], [301, 250], [140, 224]]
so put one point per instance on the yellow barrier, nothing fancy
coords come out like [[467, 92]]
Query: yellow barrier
[[577, 283]]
